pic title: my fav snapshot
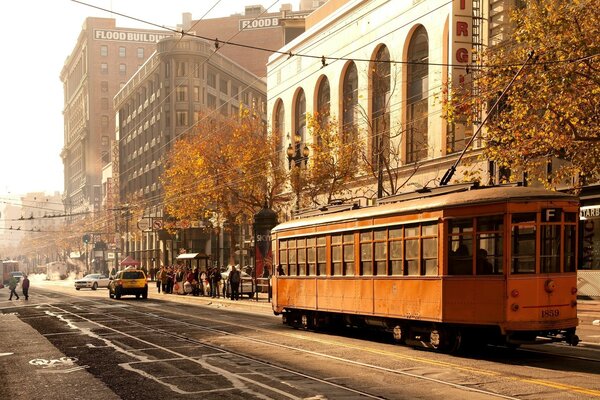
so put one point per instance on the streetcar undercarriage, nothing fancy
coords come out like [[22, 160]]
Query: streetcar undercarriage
[[432, 335]]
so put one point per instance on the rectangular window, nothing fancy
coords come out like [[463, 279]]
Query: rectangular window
[[550, 249], [301, 252], [181, 93], [140, 52], [103, 51], [411, 248], [122, 69], [292, 269], [396, 246], [104, 68], [211, 101], [211, 79], [460, 247], [336, 255], [489, 245], [182, 118], [523, 249], [223, 86], [196, 70], [283, 256], [321, 255], [104, 141], [311, 256], [104, 86], [197, 94], [181, 68], [570, 246], [104, 103], [348, 265], [429, 250], [122, 51]]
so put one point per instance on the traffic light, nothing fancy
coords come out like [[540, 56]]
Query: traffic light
[[86, 238]]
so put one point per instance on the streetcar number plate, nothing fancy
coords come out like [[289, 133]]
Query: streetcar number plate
[[551, 313]]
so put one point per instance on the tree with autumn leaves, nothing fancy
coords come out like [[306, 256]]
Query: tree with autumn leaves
[[552, 111], [224, 171]]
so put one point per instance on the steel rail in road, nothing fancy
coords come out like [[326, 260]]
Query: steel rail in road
[[470, 388]]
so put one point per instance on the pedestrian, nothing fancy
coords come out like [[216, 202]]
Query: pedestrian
[[234, 283], [25, 287], [12, 285]]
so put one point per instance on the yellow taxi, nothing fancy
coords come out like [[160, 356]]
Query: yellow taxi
[[128, 281]]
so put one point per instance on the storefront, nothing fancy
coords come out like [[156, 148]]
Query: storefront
[[589, 242]]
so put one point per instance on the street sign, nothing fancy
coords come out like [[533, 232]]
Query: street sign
[[143, 224], [157, 224]]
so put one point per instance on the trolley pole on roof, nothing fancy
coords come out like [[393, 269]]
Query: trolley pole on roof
[[450, 172]]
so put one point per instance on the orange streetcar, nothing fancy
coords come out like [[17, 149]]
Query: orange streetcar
[[437, 268]]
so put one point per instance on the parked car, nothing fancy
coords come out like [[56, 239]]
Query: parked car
[[92, 281], [246, 283], [128, 281]]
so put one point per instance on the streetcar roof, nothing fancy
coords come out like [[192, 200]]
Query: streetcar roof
[[428, 202]]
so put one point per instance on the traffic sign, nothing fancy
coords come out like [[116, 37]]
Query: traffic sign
[[143, 224], [157, 224]]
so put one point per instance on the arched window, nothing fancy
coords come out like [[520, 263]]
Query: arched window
[[350, 99], [279, 123], [417, 93], [380, 106], [300, 115], [323, 102]]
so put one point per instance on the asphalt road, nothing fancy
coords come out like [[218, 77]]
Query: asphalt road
[[82, 345]]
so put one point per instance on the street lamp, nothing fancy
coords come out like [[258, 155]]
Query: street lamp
[[297, 156]]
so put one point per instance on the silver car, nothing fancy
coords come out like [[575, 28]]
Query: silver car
[[92, 281]]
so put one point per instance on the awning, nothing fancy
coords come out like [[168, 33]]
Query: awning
[[129, 261], [191, 256]]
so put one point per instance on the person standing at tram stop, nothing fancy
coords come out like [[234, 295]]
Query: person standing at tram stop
[[25, 287], [12, 286], [234, 283]]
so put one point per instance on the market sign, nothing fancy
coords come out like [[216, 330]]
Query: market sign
[[589, 212]]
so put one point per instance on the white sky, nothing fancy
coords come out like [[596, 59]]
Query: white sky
[[37, 36]]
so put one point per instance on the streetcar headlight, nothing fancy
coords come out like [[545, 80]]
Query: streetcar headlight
[[549, 286]]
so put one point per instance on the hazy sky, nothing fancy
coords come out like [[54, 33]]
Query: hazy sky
[[37, 36]]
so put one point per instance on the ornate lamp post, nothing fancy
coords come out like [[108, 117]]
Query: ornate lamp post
[[297, 156]]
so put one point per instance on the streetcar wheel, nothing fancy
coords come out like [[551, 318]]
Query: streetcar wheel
[[399, 334]]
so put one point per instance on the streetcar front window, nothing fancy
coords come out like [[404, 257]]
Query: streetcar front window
[[550, 249], [523, 250]]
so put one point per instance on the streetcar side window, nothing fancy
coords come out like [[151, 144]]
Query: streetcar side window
[[380, 250], [411, 248], [321, 255], [348, 261], [336, 255], [395, 241], [301, 246], [283, 256], [430, 248], [293, 266], [311, 253], [460, 247], [489, 244], [366, 253]]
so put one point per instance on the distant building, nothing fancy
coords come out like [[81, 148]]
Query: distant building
[[158, 104], [103, 59]]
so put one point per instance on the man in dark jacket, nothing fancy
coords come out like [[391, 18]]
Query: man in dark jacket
[[234, 283], [25, 287]]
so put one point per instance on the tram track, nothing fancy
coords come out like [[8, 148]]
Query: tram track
[[255, 341], [151, 312]]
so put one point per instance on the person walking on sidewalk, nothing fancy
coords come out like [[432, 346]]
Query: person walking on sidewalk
[[12, 285], [25, 287], [234, 283]]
